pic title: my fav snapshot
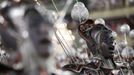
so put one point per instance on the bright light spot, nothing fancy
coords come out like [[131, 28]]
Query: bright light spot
[[4, 4], [125, 28], [131, 34], [114, 34], [24, 34], [61, 25], [1, 19], [99, 21], [15, 12]]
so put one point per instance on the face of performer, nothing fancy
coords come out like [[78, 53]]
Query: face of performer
[[106, 44], [40, 33]]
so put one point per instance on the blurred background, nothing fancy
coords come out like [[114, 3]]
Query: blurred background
[[114, 12]]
